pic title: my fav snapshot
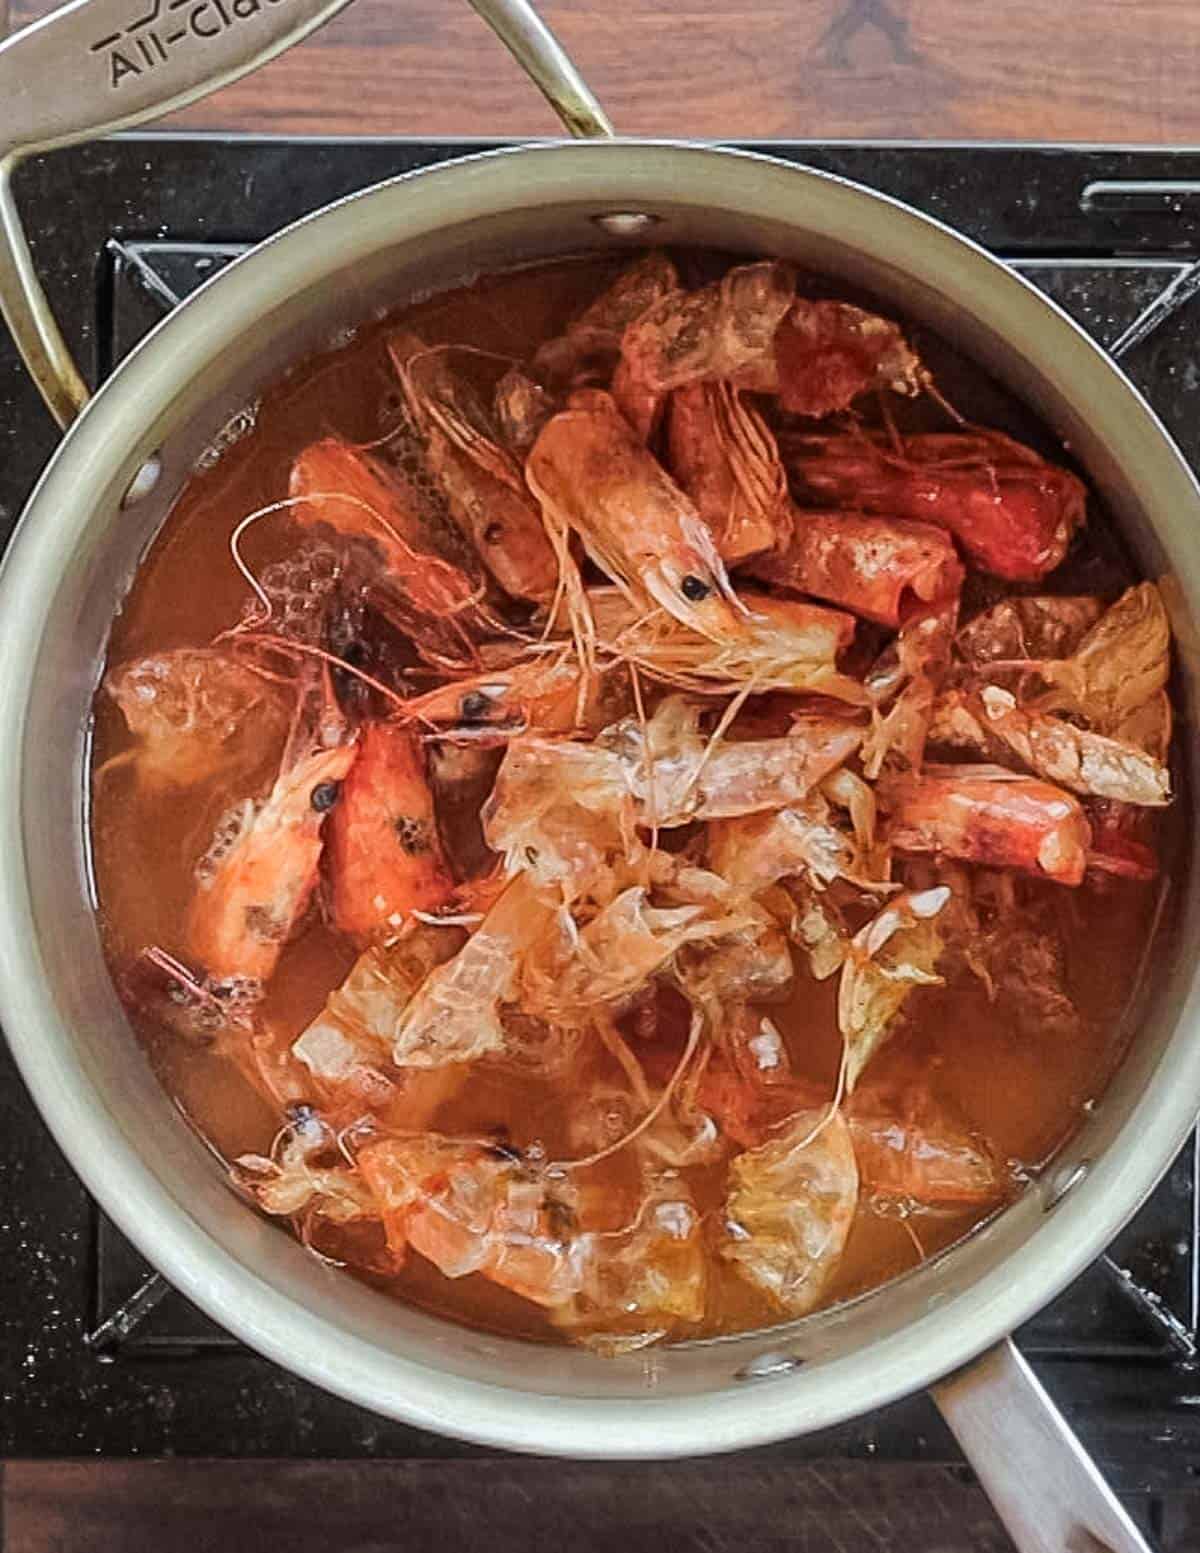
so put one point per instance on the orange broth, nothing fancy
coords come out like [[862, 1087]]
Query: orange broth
[[1024, 1094]]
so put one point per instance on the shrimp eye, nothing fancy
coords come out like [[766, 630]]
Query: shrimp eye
[[474, 706], [412, 834], [695, 589], [324, 796]]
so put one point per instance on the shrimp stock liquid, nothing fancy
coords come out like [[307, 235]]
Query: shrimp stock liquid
[[1025, 1093]]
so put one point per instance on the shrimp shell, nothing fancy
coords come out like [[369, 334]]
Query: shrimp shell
[[522, 407], [246, 909], [876, 566], [986, 814], [724, 456], [1120, 664], [589, 349], [712, 332], [1013, 512], [787, 644], [895, 952], [483, 483], [1033, 626], [193, 711], [827, 354], [991, 723], [789, 1210], [592, 475], [455, 1015], [667, 774]]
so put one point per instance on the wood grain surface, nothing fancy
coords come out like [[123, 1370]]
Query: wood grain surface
[[738, 1504], [484, 1506], [1090, 70]]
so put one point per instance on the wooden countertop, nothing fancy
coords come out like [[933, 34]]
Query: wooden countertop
[[1094, 70]]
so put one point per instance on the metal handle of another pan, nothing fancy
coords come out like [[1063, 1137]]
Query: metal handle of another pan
[[1046, 1488], [97, 66]]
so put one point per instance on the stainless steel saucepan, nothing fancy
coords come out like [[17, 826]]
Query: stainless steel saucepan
[[100, 65]]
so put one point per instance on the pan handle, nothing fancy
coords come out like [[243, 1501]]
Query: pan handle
[[1046, 1488], [97, 66]]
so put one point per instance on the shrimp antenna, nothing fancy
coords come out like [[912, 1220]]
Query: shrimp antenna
[[285, 504], [719, 732], [889, 423], [939, 398], [305, 649], [652, 1114], [474, 437], [383, 439], [404, 422], [635, 683], [619, 1047], [361, 1126], [180, 973], [835, 1105], [910, 1231], [306, 1234], [235, 540], [115, 763], [447, 346], [571, 589]]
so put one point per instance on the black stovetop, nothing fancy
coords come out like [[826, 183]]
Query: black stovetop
[[98, 1357]]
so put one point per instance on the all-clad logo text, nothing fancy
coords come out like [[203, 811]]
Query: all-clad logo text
[[148, 41]]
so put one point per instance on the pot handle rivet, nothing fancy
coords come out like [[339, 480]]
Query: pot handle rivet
[[143, 482], [1061, 1181], [626, 223], [774, 1362]]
